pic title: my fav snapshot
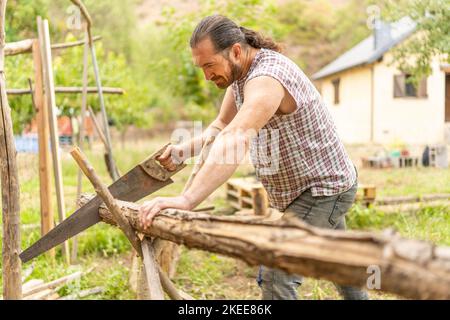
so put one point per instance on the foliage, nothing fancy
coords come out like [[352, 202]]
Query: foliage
[[176, 67], [318, 32], [432, 34], [22, 23]]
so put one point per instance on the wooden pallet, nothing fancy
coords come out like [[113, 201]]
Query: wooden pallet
[[247, 193]]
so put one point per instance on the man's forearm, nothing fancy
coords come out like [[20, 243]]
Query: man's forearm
[[193, 147], [225, 156]]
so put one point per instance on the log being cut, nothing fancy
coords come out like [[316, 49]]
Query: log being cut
[[410, 268]]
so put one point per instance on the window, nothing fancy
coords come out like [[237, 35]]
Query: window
[[403, 87], [336, 84]]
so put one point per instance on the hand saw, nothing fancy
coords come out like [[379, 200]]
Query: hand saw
[[144, 179]]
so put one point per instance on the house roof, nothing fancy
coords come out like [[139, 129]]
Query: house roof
[[365, 53]]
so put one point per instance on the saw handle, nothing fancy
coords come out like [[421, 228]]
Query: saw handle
[[152, 167]]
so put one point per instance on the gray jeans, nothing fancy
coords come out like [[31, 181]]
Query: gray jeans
[[323, 212]]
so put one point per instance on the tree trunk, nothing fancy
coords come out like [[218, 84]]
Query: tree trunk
[[12, 280], [411, 268]]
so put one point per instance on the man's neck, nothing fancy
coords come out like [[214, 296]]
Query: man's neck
[[248, 59]]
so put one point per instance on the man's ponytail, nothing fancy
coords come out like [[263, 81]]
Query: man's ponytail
[[257, 40]]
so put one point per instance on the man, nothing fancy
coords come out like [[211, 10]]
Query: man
[[271, 108]]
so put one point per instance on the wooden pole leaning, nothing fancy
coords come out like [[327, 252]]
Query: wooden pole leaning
[[109, 156], [44, 39]]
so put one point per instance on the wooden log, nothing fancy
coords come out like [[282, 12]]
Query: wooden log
[[410, 268], [53, 284], [25, 46], [70, 90], [42, 117], [27, 286], [14, 48], [412, 199], [408, 208], [41, 295], [11, 264], [58, 46]]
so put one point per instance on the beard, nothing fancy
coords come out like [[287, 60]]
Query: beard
[[235, 73]]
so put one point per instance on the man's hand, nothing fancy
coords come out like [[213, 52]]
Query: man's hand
[[172, 156], [149, 209]]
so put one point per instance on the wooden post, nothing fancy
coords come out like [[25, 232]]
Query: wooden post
[[151, 271], [44, 39], [81, 134], [12, 279], [259, 201], [45, 186]]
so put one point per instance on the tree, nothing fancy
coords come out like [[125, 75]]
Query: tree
[[432, 37]]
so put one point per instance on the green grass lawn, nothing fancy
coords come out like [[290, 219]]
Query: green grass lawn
[[202, 274]]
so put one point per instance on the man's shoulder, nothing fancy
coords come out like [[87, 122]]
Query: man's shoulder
[[272, 61]]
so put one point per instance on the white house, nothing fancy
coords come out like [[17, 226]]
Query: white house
[[371, 101]]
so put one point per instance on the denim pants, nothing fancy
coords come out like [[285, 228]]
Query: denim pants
[[323, 212]]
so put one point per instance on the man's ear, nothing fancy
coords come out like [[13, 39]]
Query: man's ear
[[236, 52]]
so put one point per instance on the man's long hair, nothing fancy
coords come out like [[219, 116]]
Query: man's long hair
[[224, 32]]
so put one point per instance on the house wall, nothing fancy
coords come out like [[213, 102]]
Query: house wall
[[409, 120], [352, 114], [414, 121]]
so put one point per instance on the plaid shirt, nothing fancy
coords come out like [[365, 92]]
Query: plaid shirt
[[300, 150]]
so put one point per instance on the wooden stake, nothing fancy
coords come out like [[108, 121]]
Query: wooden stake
[[45, 186], [12, 279], [44, 38], [151, 271], [81, 133], [97, 126]]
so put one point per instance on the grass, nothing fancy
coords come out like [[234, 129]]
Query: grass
[[202, 274]]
